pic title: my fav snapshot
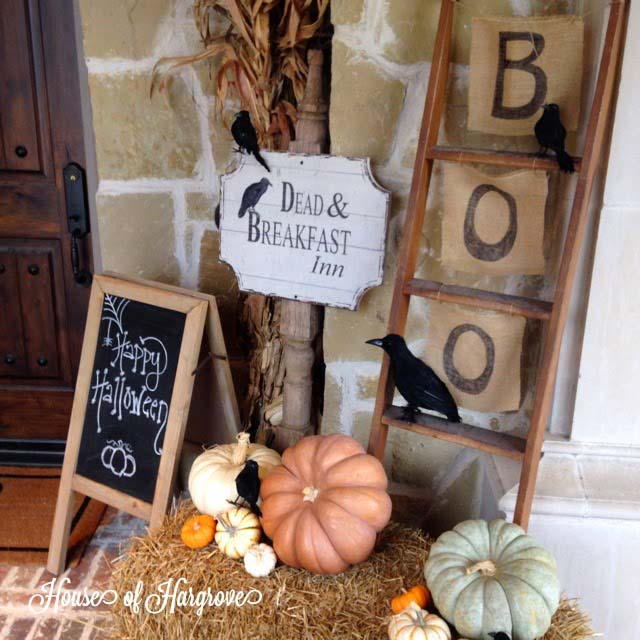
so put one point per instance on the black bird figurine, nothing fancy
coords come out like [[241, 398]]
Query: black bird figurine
[[499, 635], [417, 382], [246, 138], [551, 134], [248, 485], [252, 195]]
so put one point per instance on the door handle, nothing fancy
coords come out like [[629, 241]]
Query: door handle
[[75, 190]]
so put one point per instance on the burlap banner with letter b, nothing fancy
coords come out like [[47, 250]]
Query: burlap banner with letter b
[[477, 355], [519, 64], [493, 224]]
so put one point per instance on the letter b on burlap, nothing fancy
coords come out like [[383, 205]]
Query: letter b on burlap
[[519, 64]]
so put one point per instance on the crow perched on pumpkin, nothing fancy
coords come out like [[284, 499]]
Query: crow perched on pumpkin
[[246, 138], [551, 134], [417, 383], [248, 485]]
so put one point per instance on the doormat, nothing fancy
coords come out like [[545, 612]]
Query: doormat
[[27, 505]]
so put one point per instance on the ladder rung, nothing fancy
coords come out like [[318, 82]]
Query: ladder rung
[[499, 158], [501, 444], [514, 305]]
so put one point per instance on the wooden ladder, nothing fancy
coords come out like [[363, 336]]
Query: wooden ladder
[[554, 313]]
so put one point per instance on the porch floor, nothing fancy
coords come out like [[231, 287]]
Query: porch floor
[[19, 583]]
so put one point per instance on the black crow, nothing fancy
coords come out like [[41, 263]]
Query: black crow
[[551, 134], [252, 195], [245, 135], [417, 383], [499, 635], [248, 485]]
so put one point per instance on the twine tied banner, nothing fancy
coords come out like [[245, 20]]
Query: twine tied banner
[[494, 225], [477, 354], [519, 64]]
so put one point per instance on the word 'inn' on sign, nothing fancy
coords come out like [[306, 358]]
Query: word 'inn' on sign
[[313, 230]]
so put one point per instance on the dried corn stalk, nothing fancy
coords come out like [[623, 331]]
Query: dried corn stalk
[[262, 63], [262, 58], [261, 316]]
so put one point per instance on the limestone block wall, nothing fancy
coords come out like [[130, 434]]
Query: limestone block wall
[[381, 62], [159, 162], [158, 159]]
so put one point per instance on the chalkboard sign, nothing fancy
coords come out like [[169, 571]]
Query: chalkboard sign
[[128, 406], [131, 403]]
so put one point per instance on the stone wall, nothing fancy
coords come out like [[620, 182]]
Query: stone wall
[[158, 158], [381, 62], [159, 161]]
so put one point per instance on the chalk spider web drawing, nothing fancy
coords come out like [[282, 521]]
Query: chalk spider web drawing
[[112, 312]]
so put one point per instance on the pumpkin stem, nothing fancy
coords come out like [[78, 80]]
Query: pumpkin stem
[[420, 621], [310, 494], [486, 567], [242, 449]]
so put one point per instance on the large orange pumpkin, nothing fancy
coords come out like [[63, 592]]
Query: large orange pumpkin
[[325, 503]]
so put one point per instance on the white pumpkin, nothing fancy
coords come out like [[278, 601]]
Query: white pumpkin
[[260, 560], [488, 577], [212, 479], [416, 624], [237, 531]]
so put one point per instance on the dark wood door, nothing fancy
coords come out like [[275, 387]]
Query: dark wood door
[[42, 308]]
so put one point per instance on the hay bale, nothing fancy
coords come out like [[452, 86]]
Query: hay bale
[[295, 604]]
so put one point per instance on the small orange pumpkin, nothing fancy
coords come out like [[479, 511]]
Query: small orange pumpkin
[[418, 594], [198, 531]]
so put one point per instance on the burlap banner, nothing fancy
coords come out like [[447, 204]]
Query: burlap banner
[[519, 64], [477, 355], [493, 224]]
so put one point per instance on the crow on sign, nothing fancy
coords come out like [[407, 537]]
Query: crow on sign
[[252, 195], [246, 138], [417, 383]]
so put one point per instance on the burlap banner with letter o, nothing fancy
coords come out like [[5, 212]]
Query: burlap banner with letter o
[[493, 224], [519, 64], [477, 355]]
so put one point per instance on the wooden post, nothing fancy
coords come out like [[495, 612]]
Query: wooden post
[[299, 323]]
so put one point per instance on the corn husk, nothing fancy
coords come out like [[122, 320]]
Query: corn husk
[[262, 58]]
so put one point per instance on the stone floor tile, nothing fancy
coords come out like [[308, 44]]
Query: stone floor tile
[[47, 628], [21, 628]]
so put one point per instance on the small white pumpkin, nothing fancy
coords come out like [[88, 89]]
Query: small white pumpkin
[[415, 623], [236, 531], [212, 479], [260, 560]]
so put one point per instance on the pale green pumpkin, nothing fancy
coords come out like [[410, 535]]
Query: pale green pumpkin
[[491, 576]]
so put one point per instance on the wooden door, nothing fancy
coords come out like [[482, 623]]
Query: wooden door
[[42, 307]]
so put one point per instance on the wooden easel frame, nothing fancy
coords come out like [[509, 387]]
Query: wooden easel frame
[[219, 362], [200, 310]]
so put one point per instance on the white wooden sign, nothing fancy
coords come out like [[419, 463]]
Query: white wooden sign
[[312, 229]]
